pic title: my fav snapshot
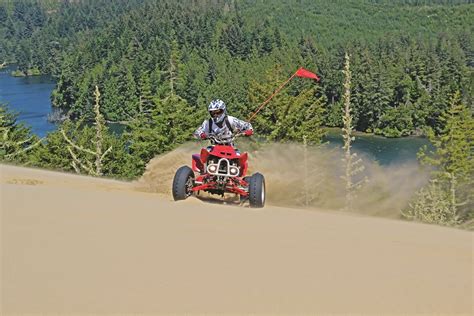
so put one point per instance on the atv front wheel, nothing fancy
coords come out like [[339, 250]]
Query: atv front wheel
[[242, 198], [256, 190], [183, 183]]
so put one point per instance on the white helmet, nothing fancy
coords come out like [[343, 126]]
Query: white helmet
[[217, 110]]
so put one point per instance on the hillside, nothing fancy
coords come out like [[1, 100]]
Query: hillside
[[74, 244], [408, 57]]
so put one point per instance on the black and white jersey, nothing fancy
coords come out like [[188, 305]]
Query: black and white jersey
[[221, 130]]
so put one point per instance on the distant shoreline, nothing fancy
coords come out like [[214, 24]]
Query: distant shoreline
[[337, 130]]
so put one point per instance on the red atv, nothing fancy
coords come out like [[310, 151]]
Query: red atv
[[220, 169]]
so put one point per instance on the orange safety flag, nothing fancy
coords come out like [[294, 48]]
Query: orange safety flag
[[303, 73]]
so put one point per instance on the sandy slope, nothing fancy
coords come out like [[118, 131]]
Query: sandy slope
[[76, 244]]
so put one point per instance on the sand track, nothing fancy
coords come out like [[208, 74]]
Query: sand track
[[74, 244]]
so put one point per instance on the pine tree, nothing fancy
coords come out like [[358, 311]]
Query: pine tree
[[313, 109], [170, 123], [433, 205], [453, 160], [145, 102], [270, 120], [234, 38], [16, 141]]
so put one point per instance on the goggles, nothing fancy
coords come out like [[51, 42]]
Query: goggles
[[216, 113]]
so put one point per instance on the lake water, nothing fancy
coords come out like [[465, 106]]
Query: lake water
[[30, 97], [384, 150]]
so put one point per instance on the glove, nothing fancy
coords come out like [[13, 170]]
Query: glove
[[203, 136], [248, 132]]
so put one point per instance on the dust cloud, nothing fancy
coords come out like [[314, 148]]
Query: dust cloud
[[159, 173], [302, 177]]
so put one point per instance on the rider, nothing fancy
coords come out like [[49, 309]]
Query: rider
[[221, 124]]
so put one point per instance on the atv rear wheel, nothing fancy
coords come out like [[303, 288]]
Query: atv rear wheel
[[183, 183], [257, 190]]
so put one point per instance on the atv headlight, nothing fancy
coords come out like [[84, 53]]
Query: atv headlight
[[212, 168], [234, 171]]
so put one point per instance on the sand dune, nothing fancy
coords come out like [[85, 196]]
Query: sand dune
[[73, 244]]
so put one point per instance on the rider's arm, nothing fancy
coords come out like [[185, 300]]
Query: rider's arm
[[239, 125], [203, 129]]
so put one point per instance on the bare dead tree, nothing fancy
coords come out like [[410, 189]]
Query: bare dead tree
[[309, 184], [352, 164], [94, 167]]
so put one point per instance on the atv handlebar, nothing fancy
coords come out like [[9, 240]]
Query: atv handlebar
[[216, 140]]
